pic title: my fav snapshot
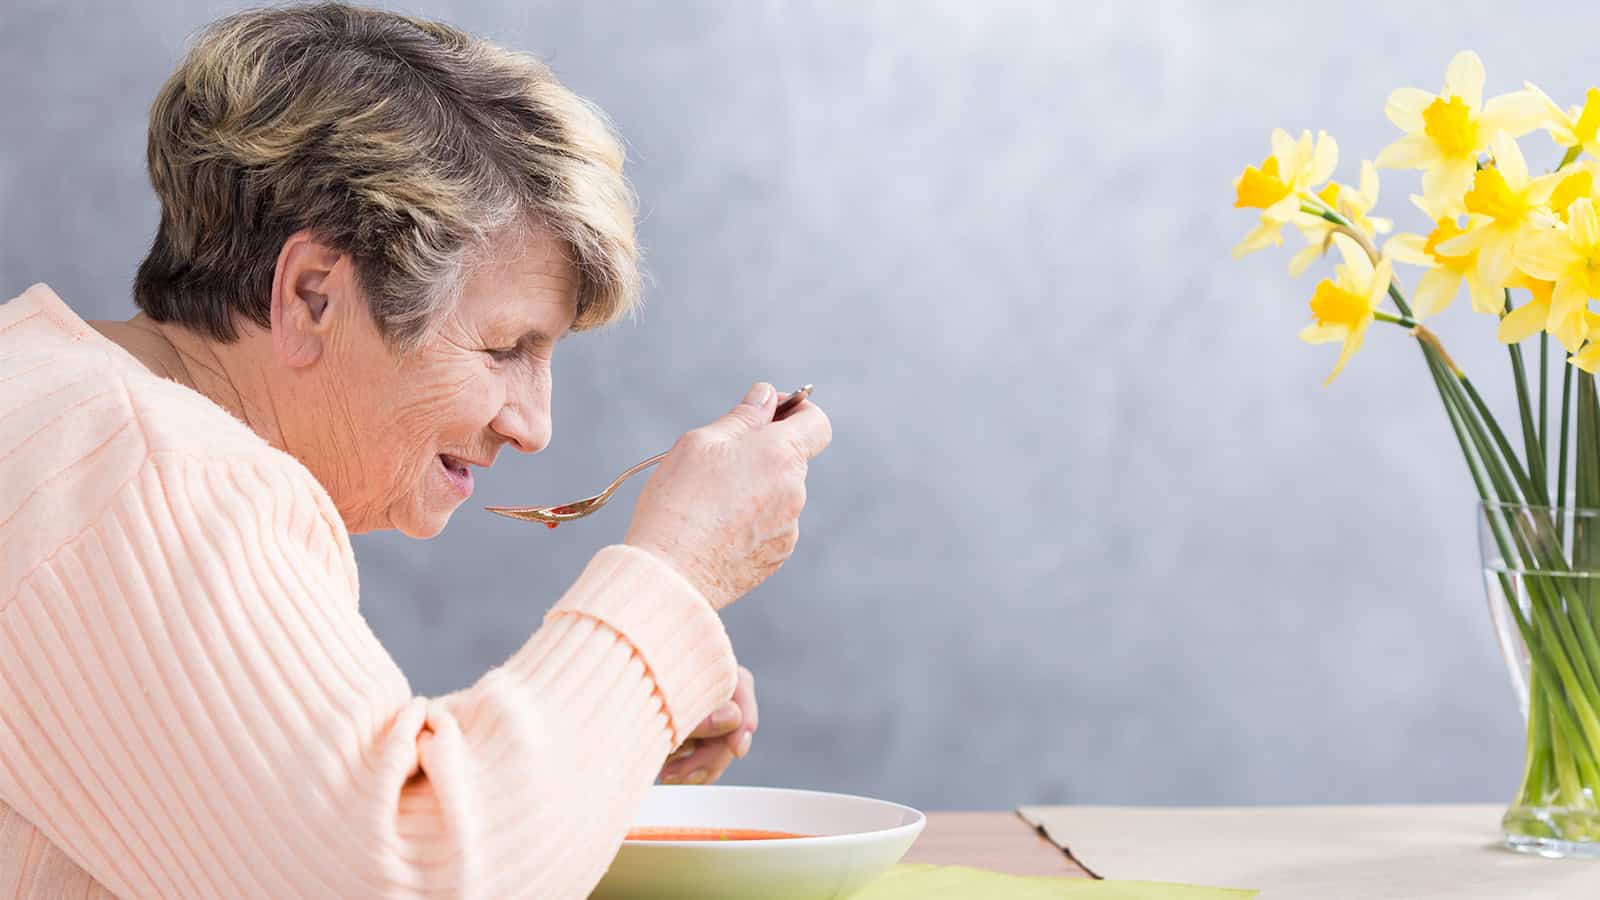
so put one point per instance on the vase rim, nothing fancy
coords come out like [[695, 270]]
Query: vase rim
[[1508, 504]]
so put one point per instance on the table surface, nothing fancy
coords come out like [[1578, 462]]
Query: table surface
[[998, 841]]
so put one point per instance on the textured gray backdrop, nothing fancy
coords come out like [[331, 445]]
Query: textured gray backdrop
[[1090, 530]]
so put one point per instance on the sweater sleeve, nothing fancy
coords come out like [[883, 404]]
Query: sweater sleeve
[[195, 708]]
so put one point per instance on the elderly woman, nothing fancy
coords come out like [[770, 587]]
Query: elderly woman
[[374, 230]]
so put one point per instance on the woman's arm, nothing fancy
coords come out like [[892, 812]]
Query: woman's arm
[[195, 707]]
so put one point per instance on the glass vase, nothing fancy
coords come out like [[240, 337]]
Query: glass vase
[[1542, 571]]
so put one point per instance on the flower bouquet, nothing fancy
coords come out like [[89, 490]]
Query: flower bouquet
[[1527, 248]]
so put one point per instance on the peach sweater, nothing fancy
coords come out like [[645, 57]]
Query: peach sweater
[[191, 704]]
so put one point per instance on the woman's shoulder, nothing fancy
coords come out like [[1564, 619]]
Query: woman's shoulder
[[81, 427], [71, 393]]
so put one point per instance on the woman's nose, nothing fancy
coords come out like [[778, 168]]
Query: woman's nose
[[525, 426]]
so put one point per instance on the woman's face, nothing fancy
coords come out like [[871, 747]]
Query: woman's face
[[398, 435]]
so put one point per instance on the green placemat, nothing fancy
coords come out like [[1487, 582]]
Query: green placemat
[[923, 882]]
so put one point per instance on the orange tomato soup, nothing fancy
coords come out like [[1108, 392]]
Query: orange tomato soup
[[708, 834]]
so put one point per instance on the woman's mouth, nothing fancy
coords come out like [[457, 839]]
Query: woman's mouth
[[457, 474]]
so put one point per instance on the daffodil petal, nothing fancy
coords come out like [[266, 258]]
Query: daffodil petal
[[1368, 189], [1524, 322], [1323, 159], [1487, 297], [1351, 345], [1355, 258], [1464, 243], [1404, 108], [1433, 213], [1300, 157], [1495, 260], [1546, 255], [1567, 298], [1587, 359], [1539, 189], [1570, 330], [1323, 334], [1265, 234], [1508, 157], [1444, 185], [1409, 249], [1585, 224], [1516, 113], [1303, 259], [1554, 118], [1436, 290], [1284, 210], [1282, 147], [1413, 151], [1464, 79], [1382, 277]]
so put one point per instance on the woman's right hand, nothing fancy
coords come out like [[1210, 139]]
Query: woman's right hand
[[724, 507]]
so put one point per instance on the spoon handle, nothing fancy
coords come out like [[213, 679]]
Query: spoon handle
[[778, 415], [551, 515]]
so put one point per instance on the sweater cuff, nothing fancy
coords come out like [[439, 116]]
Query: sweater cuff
[[669, 624]]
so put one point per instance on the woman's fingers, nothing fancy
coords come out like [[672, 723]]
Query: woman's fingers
[[744, 697], [808, 429], [725, 720], [705, 763], [715, 745]]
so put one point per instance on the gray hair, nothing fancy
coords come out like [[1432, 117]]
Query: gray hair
[[405, 143]]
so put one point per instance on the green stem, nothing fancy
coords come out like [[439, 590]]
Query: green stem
[[1561, 461], [1508, 455], [1532, 448], [1579, 682], [1571, 156], [1544, 399]]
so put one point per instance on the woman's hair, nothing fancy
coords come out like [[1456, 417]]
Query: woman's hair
[[405, 143]]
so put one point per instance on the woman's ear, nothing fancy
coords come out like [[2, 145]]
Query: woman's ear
[[305, 288]]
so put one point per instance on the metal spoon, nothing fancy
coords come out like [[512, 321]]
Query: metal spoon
[[552, 516]]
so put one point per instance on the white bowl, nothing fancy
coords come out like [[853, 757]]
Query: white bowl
[[857, 838]]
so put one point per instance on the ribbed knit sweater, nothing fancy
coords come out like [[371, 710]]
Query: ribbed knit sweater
[[191, 704]]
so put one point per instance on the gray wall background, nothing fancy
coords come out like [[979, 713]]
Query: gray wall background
[[1090, 530]]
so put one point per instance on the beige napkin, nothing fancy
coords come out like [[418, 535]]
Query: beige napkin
[[1343, 852]]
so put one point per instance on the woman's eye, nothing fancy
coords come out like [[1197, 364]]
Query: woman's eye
[[508, 354]]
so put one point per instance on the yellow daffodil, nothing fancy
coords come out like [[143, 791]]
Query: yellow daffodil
[[1502, 206], [1569, 255], [1445, 132], [1278, 186], [1533, 317], [1573, 127], [1576, 180], [1342, 307], [1439, 286], [1354, 204], [1588, 359]]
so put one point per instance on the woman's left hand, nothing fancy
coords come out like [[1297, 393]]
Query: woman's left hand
[[713, 746]]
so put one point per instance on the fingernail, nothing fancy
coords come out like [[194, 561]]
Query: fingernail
[[698, 776], [759, 395], [684, 752], [744, 744], [725, 716], [671, 779]]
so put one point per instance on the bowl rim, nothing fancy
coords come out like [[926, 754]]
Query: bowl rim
[[919, 820]]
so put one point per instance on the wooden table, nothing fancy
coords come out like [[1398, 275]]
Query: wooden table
[[999, 841]]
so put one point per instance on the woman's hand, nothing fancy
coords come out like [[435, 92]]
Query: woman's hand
[[724, 506], [713, 746]]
